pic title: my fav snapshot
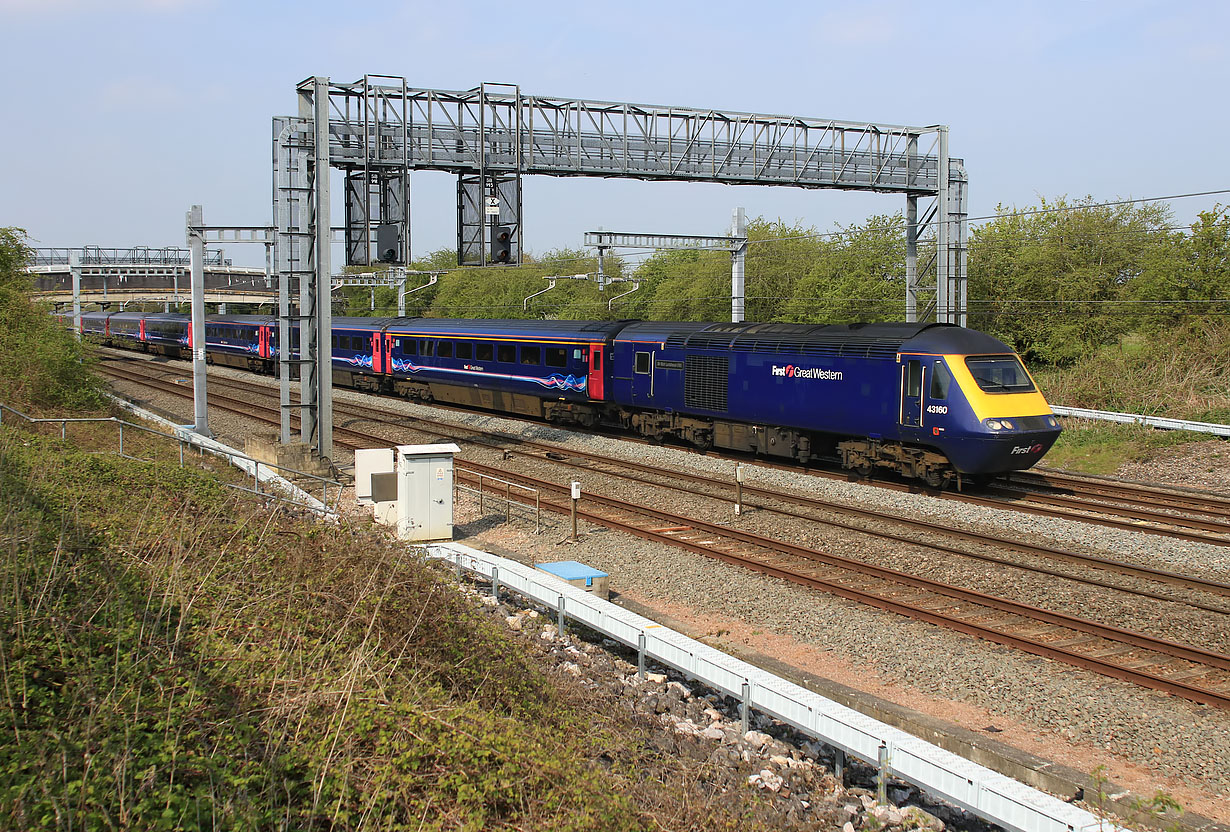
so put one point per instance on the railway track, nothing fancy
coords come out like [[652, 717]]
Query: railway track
[[1183, 670], [1067, 501], [803, 507]]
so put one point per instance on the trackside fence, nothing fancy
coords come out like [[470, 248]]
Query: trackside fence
[[940, 773], [1149, 421], [262, 473]]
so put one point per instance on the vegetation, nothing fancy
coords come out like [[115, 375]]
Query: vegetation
[[176, 656], [41, 364]]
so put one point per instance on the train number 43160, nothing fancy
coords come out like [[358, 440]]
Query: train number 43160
[[937, 408]]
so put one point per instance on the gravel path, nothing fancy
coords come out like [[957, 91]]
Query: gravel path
[[1144, 738]]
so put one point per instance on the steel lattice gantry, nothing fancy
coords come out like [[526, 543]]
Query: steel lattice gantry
[[379, 129]]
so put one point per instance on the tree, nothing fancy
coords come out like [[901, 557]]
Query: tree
[[1054, 282], [40, 360]]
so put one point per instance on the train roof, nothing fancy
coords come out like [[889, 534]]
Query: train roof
[[871, 340], [256, 320], [508, 328]]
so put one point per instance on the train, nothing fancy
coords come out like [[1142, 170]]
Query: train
[[932, 402]]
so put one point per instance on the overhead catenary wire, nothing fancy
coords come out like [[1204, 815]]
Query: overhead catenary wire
[[649, 252]]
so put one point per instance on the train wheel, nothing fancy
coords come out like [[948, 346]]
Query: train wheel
[[934, 477]]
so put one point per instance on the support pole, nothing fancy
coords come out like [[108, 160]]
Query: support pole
[[839, 766], [196, 245], [74, 266], [324, 273], [745, 707], [738, 260], [943, 237], [739, 474], [640, 655], [882, 774], [911, 256]]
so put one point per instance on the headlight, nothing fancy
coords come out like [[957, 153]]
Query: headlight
[[1007, 425], [994, 424], [1052, 421]]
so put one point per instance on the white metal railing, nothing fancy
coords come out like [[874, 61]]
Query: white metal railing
[[507, 497], [1161, 422], [993, 796], [183, 436]]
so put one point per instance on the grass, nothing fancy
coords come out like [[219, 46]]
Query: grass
[[1184, 374], [176, 657], [1102, 447]]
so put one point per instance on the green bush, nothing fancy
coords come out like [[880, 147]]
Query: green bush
[[41, 363]]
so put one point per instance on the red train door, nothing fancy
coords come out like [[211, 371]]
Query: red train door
[[262, 341], [377, 353], [141, 331], [594, 384]]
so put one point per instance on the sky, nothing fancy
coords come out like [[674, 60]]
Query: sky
[[121, 114]]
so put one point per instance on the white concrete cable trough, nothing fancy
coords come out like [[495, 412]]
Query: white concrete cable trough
[[942, 774], [1161, 422]]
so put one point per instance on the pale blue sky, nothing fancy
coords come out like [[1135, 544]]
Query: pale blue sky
[[121, 114]]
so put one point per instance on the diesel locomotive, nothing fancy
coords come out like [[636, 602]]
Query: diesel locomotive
[[934, 402]]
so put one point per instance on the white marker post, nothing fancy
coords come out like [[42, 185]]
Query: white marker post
[[576, 497]]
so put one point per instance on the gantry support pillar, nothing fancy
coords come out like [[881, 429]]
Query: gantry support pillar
[[196, 244]]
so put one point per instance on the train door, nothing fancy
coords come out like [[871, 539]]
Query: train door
[[262, 341], [594, 385], [141, 332], [643, 359], [378, 352], [912, 378]]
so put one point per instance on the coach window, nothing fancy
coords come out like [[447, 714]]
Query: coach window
[[484, 352], [940, 380], [507, 353], [642, 363], [335, 342], [557, 357], [531, 354], [409, 346], [445, 349], [465, 350], [429, 348]]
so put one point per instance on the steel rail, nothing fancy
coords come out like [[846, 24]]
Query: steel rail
[[1173, 649], [1202, 502], [990, 502], [1028, 645], [1016, 492], [562, 455]]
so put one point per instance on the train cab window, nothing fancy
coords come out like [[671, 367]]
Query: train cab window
[[642, 363], [445, 349], [465, 350], [429, 348], [507, 353], [531, 354], [484, 352], [913, 379], [999, 373], [940, 379], [557, 357]]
